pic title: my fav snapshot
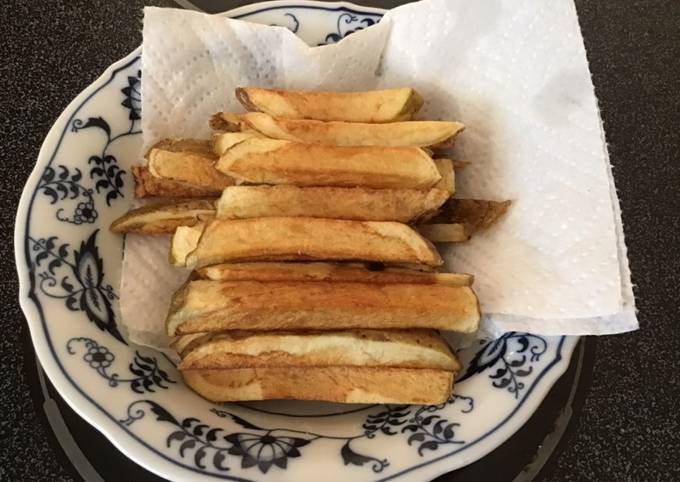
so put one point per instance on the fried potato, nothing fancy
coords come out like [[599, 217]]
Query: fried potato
[[269, 161], [249, 349], [474, 214], [192, 168], [447, 183], [196, 146], [345, 272], [389, 105], [209, 306], [362, 204], [147, 185], [333, 384], [396, 134], [444, 233], [164, 218], [300, 239], [221, 142]]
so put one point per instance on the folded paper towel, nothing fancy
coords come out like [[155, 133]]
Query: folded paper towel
[[515, 73]]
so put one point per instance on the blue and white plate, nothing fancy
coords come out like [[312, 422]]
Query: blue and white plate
[[69, 268]]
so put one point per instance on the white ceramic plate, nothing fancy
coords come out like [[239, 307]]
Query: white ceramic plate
[[69, 268]]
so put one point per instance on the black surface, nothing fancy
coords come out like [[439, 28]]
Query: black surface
[[628, 428]]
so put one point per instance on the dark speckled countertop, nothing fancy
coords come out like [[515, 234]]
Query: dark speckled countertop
[[628, 428]]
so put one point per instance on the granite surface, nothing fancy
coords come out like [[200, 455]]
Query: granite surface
[[628, 428]]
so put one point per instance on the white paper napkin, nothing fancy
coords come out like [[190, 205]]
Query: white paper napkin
[[514, 72]]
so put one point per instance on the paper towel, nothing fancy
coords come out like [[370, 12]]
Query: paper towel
[[514, 72]]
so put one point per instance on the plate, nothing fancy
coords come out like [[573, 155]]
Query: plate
[[69, 267]]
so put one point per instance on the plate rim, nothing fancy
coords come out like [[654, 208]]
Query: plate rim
[[88, 408]]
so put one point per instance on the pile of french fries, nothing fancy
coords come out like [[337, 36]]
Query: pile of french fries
[[308, 224]]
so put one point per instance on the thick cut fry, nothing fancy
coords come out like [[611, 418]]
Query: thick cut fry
[[250, 349], [195, 146], [301, 239], [209, 306], [269, 161], [222, 141], [362, 204], [147, 185], [474, 214], [189, 168], [396, 134], [373, 106], [333, 384], [447, 182], [327, 272], [164, 218], [444, 233]]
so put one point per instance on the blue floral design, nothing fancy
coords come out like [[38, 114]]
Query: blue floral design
[[511, 355]]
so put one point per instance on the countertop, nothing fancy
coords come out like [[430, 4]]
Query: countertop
[[628, 428]]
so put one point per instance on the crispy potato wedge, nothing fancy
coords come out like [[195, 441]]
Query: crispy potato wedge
[[184, 242], [300, 239], [147, 185], [249, 349], [395, 134], [362, 204], [447, 183], [444, 233], [270, 161], [164, 218], [188, 167], [222, 141], [334, 272], [209, 306], [474, 214], [195, 146], [389, 105], [424, 386]]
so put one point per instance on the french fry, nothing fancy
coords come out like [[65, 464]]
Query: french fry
[[341, 384], [210, 306], [192, 168], [334, 272], [299, 239], [361, 204], [396, 134], [147, 185], [373, 106], [443, 233], [269, 161], [164, 218], [474, 214], [388, 348]]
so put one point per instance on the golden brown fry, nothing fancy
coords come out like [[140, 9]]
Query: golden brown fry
[[269, 161], [300, 239], [444, 233], [195, 169], [209, 306], [196, 146], [362, 204], [395, 134], [423, 386], [447, 183], [248, 349], [164, 218], [147, 185], [474, 214], [333, 272], [373, 106], [222, 141]]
